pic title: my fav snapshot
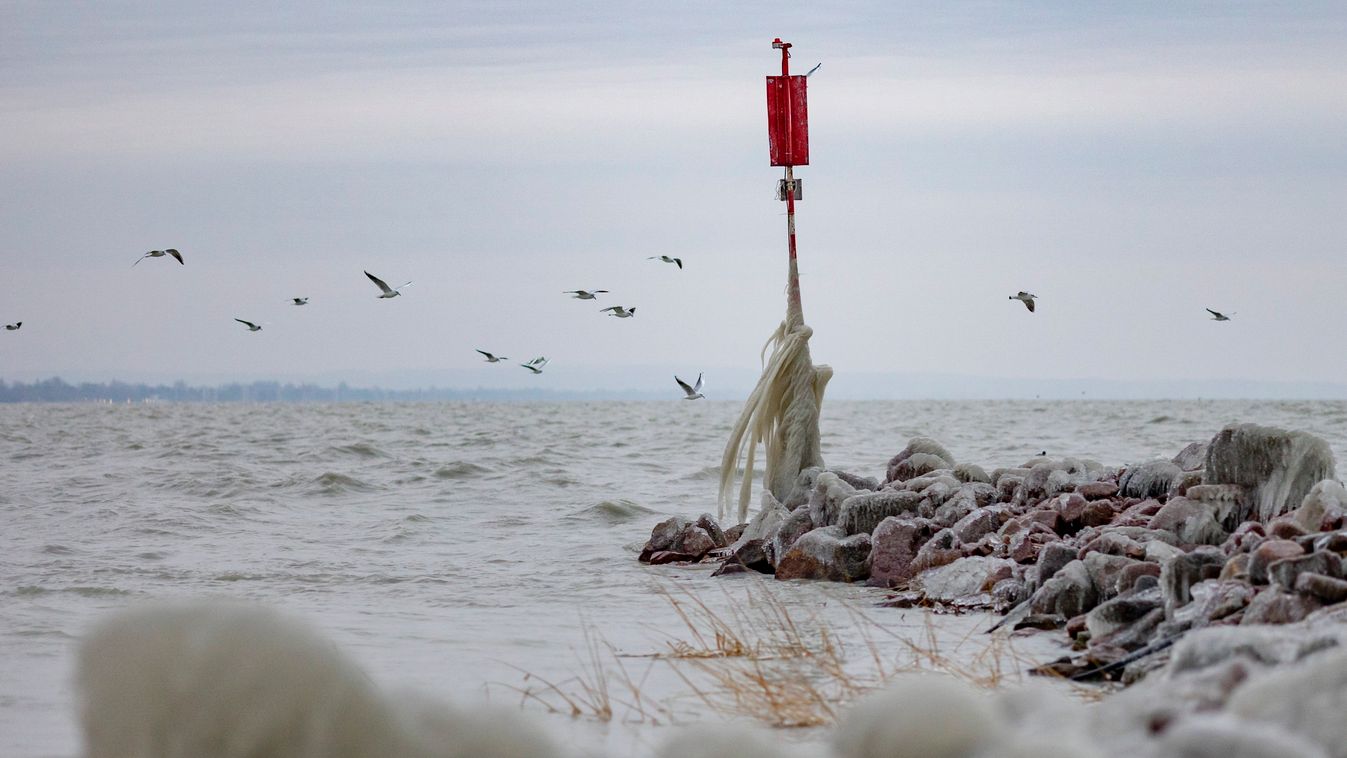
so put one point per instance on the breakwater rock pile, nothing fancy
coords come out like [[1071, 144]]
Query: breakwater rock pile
[[1247, 528]]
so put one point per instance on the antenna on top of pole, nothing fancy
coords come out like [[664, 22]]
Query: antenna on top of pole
[[783, 411]]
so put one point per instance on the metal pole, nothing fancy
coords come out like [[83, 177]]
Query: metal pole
[[794, 308]]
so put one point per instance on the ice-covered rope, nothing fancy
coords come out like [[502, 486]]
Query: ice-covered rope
[[782, 412]]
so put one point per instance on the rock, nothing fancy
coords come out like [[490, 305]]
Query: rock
[[1245, 538], [1112, 615], [1159, 552], [1139, 513], [694, 541], [1025, 544], [1305, 699], [1052, 557], [1113, 543], [826, 553], [662, 536], [1224, 736], [858, 483], [1190, 520], [936, 457], [929, 715], [1150, 479], [795, 525], [1285, 528], [1070, 508], [1180, 573], [964, 577], [973, 527], [971, 472], [1279, 467], [766, 522], [707, 522], [1069, 593], [733, 534], [1192, 457], [1127, 578], [894, 547], [1097, 513], [660, 557], [1325, 588], [1237, 567], [1326, 501], [1268, 552], [803, 489], [939, 550], [1273, 606], [1007, 486], [1104, 570], [751, 555], [863, 512], [825, 503], [1282, 574], [1009, 592], [1097, 490], [1213, 600]]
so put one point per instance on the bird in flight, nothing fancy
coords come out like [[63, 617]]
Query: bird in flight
[[159, 254], [251, 326], [300, 300], [1026, 298], [585, 294], [535, 365], [619, 311], [493, 358], [1218, 316], [666, 259], [14, 327], [693, 392], [387, 291]]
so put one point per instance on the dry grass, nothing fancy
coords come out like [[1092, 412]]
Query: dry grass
[[774, 662]]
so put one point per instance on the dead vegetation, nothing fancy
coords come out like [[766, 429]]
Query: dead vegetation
[[779, 664]]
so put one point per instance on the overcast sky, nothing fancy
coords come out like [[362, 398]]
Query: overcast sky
[[1130, 165]]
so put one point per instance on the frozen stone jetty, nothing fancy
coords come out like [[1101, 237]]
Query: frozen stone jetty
[[1247, 528]]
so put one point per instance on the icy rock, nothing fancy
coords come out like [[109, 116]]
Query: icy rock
[[1267, 553], [1283, 573], [1236, 567], [1150, 479], [723, 741], [1191, 458], [1069, 593], [751, 555], [855, 480], [795, 525], [976, 525], [1213, 600], [826, 553], [971, 472], [1190, 520], [1245, 538], [1279, 467], [1326, 500], [928, 715], [939, 550], [663, 535], [935, 456], [1128, 577], [1273, 606], [1113, 543], [1306, 699], [1223, 736], [1180, 573], [894, 547], [804, 487], [1097, 490], [1097, 513], [863, 512], [826, 500], [1159, 552], [708, 523], [1325, 588], [1007, 486], [1113, 615], [1052, 557], [1104, 570], [766, 521], [1024, 545], [964, 577]]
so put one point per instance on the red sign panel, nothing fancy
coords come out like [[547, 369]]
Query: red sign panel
[[787, 120]]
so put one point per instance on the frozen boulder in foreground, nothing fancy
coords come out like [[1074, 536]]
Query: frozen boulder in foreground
[[928, 715], [1308, 698], [826, 553], [225, 680], [1277, 467]]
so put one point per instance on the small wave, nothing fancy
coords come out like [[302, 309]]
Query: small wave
[[1161, 420], [361, 449], [332, 483], [461, 470], [614, 511]]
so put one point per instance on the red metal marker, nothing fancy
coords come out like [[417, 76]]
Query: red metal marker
[[788, 142]]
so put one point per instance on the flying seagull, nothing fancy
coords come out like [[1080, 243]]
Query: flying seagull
[[812, 70], [159, 254], [666, 259], [693, 392], [1218, 316], [585, 294], [1026, 298], [493, 358], [300, 300], [251, 326], [387, 291], [14, 327], [619, 311], [535, 365]]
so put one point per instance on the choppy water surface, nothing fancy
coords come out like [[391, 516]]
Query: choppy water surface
[[448, 547]]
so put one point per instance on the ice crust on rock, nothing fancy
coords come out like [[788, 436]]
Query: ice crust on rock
[[1279, 467]]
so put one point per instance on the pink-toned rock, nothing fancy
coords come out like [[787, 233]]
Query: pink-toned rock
[[828, 554], [694, 541], [971, 528], [1325, 588], [1245, 538], [938, 551], [662, 536], [1127, 578], [1070, 507], [1269, 552], [1272, 606], [1113, 543], [661, 557], [895, 544], [1098, 513], [1285, 528], [1237, 567], [1138, 514], [1097, 490], [1283, 573], [1025, 544]]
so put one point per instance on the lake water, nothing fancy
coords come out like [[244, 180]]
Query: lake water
[[452, 547]]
